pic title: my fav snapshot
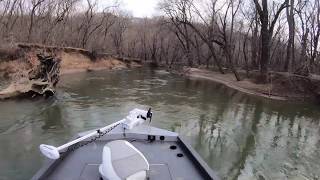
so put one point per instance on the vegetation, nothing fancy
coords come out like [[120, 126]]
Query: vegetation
[[230, 35]]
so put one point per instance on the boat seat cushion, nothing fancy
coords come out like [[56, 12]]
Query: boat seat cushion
[[121, 160]]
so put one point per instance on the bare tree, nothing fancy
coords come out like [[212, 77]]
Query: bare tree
[[290, 46], [244, 48], [179, 13], [57, 13], [304, 18], [35, 6], [226, 40], [255, 42], [117, 34], [219, 32], [315, 32], [11, 16], [267, 28]]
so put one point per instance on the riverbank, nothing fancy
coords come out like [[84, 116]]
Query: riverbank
[[282, 88], [16, 62], [75, 62]]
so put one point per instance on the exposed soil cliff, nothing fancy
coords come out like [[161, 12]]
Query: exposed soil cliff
[[15, 62]]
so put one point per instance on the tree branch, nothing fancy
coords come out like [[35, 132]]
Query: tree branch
[[283, 5], [258, 7]]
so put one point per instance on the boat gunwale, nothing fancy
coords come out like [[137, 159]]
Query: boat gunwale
[[197, 159], [48, 166]]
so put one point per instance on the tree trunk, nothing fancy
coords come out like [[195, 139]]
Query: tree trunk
[[244, 51], [290, 47], [229, 59], [254, 45], [266, 35], [216, 59], [303, 54], [265, 44]]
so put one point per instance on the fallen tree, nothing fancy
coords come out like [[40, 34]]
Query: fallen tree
[[41, 80]]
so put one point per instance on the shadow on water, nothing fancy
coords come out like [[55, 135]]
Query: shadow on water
[[239, 136], [52, 118]]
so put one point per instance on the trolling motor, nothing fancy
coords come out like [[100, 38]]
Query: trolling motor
[[135, 118]]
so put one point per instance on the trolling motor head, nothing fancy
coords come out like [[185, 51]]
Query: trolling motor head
[[143, 114], [50, 152], [136, 117]]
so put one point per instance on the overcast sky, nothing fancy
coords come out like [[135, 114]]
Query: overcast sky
[[138, 8], [141, 8]]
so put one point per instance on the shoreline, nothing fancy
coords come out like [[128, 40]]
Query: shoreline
[[74, 60], [17, 71], [244, 86]]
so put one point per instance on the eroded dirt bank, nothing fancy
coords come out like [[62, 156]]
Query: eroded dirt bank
[[16, 62]]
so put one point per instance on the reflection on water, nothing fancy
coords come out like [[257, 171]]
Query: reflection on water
[[240, 137], [3, 83]]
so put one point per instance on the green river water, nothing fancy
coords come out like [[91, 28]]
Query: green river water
[[239, 136]]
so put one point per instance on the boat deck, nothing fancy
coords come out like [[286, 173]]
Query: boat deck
[[164, 163], [83, 163]]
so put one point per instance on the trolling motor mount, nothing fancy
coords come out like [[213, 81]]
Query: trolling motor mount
[[149, 114]]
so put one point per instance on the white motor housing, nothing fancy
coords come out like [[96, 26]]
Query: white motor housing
[[135, 118]]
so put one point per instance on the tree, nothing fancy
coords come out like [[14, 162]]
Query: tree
[[290, 47], [10, 16], [266, 33], [227, 41], [304, 18], [57, 12], [217, 31], [117, 34], [178, 12], [315, 32], [35, 6]]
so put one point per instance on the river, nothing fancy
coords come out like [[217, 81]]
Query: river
[[239, 136]]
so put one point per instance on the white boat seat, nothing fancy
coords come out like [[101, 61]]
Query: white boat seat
[[122, 161]]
